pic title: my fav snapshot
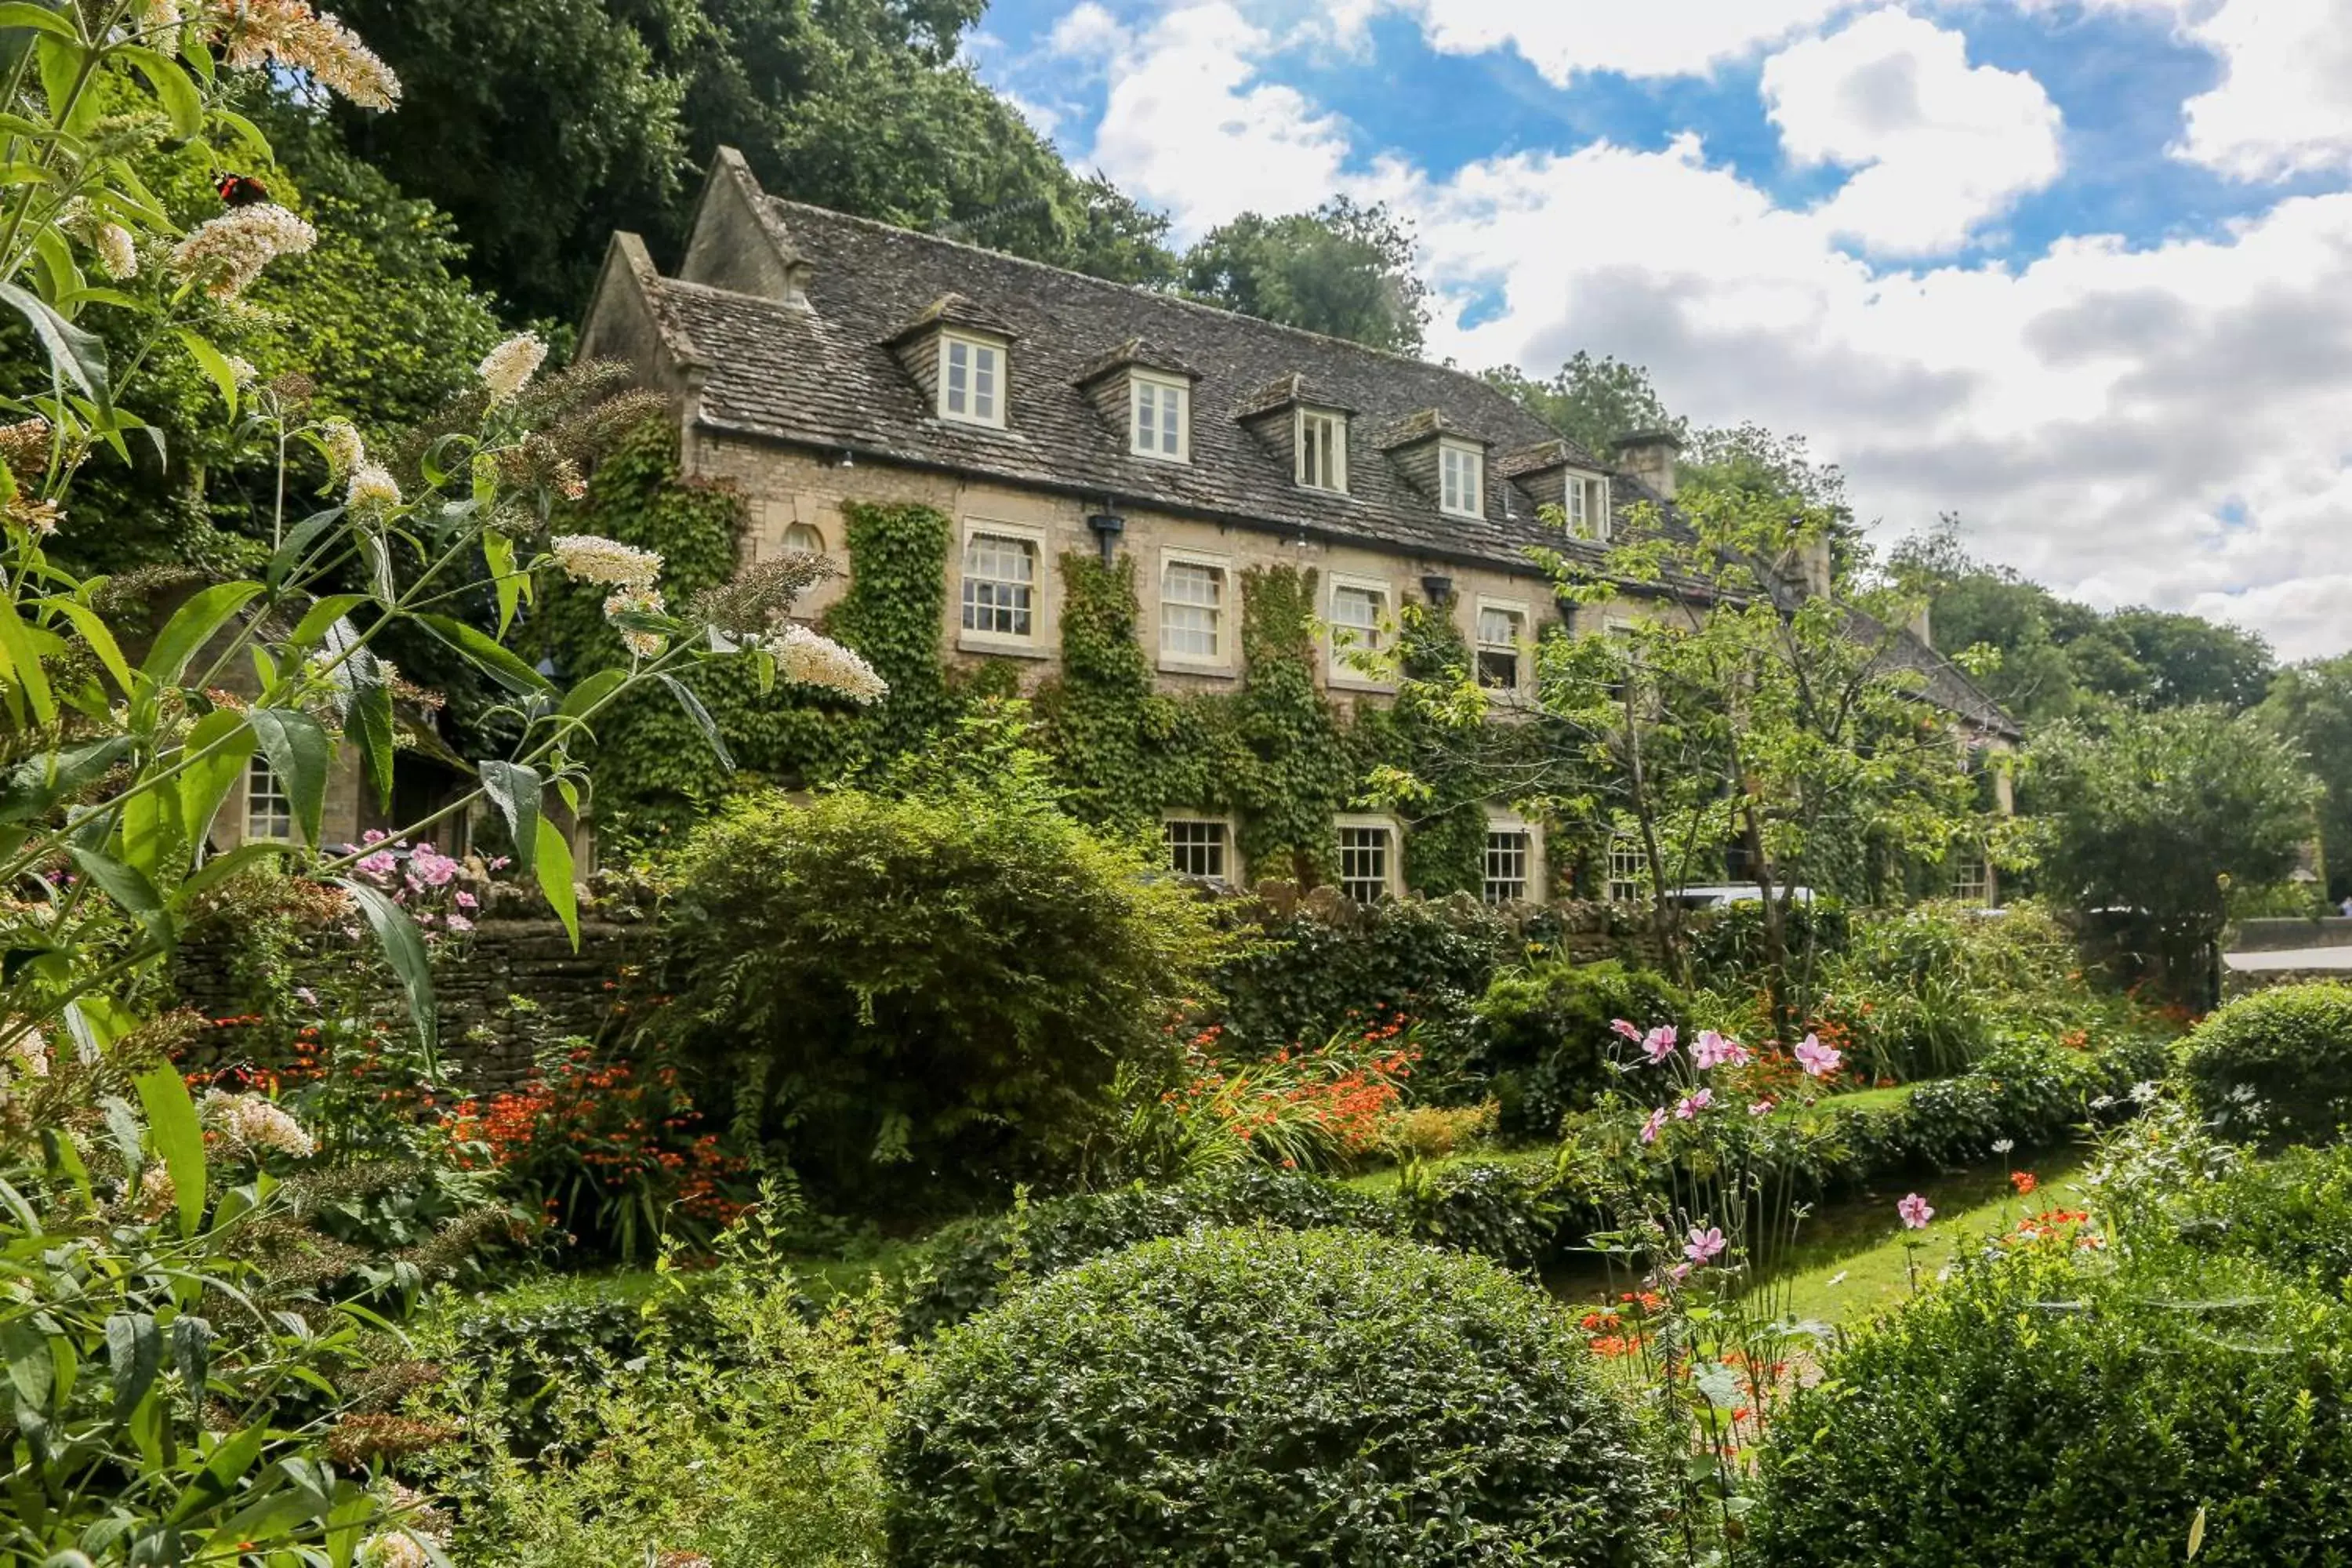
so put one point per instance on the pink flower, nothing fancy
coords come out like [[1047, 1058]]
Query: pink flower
[[1659, 1043], [1691, 1105], [1679, 1272], [1704, 1245], [466, 900], [1761, 1108], [499, 862], [460, 923], [1717, 1051], [430, 867], [1655, 1125], [1817, 1058], [378, 866], [1915, 1212], [1620, 1027]]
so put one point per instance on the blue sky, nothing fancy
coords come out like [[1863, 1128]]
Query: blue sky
[[2078, 271]]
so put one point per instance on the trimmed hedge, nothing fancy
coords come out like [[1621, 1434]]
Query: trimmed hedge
[[1541, 1029], [970, 1262], [2275, 1064], [1255, 1397], [2039, 1411]]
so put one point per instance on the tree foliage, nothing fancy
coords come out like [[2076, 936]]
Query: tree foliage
[[2311, 706], [1595, 402], [1342, 270]]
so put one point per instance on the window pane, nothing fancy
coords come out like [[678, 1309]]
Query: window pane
[[1172, 417], [958, 376], [268, 812], [999, 583], [1498, 649], [801, 536], [1507, 868], [1364, 863], [1356, 617], [983, 384], [1192, 606], [1146, 394], [1626, 870], [1196, 848]]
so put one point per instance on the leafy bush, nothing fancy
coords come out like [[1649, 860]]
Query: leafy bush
[[2292, 1211], [775, 1413], [2278, 1062], [908, 987], [1311, 972], [1543, 1029], [1727, 947], [2036, 1411], [1510, 1211], [972, 1260], [1255, 1397]]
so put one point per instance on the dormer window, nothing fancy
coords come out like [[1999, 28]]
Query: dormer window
[[1461, 480], [1588, 508], [972, 379], [1161, 425], [1322, 450]]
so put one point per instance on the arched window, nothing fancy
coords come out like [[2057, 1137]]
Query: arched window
[[804, 537]]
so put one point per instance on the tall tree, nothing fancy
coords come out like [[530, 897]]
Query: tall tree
[[1342, 270], [1595, 402], [2311, 706]]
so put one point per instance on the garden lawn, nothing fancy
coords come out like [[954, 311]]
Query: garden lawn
[[1852, 1260]]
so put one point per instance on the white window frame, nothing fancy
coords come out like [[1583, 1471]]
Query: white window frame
[[1625, 868], [1230, 845], [1033, 642], [262, 785], [1533, 883], [1587, 506], [1162, 388], [1335, 449], [1523, 645], [1393, 861], [975, 348], [811, 530], [1340, 636], [1225, 659], [1972, 878], [1472, 459]]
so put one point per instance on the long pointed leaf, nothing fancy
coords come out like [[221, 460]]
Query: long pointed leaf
[[406, 950], [193, 626], [367, 721], [495, 659], [76, 354], [299, 753], [553, 867], [514, 788], [132, 891], [701, 717], [178, 1135]]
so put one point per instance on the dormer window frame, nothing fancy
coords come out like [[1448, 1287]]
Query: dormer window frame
[[1454, 457], [986, 358], [1328, 459], [1587, 505], [1162, 388]]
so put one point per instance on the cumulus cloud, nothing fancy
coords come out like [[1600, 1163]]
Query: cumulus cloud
[[2159, 424], [2284, 102], [1938, 145], [1562, 38]]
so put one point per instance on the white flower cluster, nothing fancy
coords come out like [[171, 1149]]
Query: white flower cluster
[[156, 1193], [250, 1124], [28, 1056], [373, 489], [118, 252], [807, 659], [227, 253], [345, 451], [642, 601], [394, 1549], [585, 558], [296, 36], [508, 368]]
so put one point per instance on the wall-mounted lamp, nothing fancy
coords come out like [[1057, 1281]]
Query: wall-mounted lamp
[[1436, 589], [847, 459], [1108, 527]]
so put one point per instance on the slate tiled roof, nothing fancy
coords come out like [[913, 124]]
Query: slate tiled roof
[[825, 376]]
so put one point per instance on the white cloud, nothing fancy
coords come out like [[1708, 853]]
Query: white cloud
[[2093, 414], [2284, 104], [1086, 32], [1664, 37], [1938, 145]]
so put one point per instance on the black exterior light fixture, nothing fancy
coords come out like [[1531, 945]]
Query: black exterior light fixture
[[1108, 527], [1436, 589]]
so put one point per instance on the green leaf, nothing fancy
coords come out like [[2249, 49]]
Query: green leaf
[[701, 717], [178, 95], [513, 788], [192, 1352], [32, 1372], [213, 364], [299, 751], [321, 618], [128, 889], [498, 554], [397, 934], [592, 690], [94, 631], [298, 539], [178, 1136], [23, 14], [18, 658], [235, 1454], [219, 868], [219, 746], [496, 660], [134, 1350], [367, 720], [192, 626], [78, 355], [552, 866]]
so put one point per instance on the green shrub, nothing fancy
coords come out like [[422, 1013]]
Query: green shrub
[[1544, 1030], [1263, 1397], [1924, 992], [969, 1261], [2291, 1212], [2277, 1063], [908, 988], [1726, 946], [2036, 1411], [1512, 1211]]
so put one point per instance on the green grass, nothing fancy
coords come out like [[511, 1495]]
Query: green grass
[[1854, 1258]]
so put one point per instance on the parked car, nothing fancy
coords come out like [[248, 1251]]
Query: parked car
[[1722, 895]]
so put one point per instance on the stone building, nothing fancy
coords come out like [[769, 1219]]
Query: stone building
[[816, 358]]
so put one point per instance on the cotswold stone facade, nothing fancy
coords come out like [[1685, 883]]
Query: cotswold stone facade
[[817, 358]]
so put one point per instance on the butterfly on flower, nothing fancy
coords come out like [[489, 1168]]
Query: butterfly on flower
[[242, 190]]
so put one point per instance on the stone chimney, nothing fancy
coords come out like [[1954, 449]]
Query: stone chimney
[[1923, 626], [1649, 456]]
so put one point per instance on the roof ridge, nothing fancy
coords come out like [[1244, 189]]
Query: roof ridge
[[1147, 293]]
